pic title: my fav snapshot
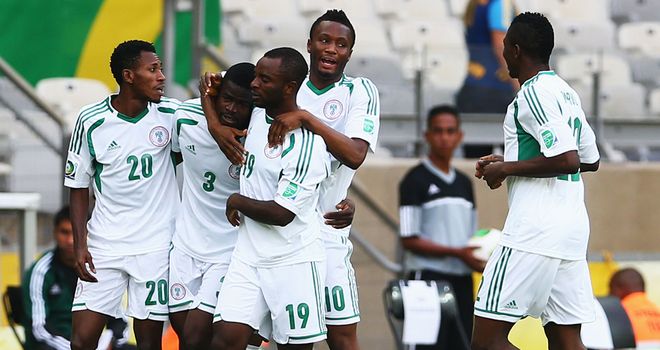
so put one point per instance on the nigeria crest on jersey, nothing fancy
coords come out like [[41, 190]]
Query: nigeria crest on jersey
[[234, 171], [273, 152], [159, 136], [332, 109]]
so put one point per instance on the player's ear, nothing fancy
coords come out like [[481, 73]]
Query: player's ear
[[290, 88], [309, 45], [127, 76]]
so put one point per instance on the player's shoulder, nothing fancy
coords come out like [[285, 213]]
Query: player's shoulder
[[167, 105], [94, 111], [360, 83], [191, 108]]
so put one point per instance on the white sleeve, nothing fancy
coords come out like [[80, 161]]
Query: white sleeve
[[363, 119], [587, 147], [78, 169], [37, 292], [410, 220], [305, 163], [541, 118]]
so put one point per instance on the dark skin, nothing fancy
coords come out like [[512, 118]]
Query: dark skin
[[493, 334], [141, 84], [272, 91], [443, 135], [227, 138], [195, 327]]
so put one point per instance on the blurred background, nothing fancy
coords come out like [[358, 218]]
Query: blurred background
[[54, 58]]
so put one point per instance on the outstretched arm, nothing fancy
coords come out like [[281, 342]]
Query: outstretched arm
[[266, 212]]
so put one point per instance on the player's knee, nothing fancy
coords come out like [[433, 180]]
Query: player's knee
[[80, 342], [342, 337], [194, 341], [219, 342]]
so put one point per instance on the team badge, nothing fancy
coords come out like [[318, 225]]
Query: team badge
[[177, 291], [234, 171], [79, 290], [549, 138], [332, 109], [273, 152], [159, 136], [70, 170], [291, 191], [368, 126]]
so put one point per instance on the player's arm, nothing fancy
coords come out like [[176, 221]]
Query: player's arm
[[349, 151], [79, 201], [226, 137], [421, 246], [588, 149], [266, 212]]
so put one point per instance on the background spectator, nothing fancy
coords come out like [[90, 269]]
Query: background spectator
[[628, 285]]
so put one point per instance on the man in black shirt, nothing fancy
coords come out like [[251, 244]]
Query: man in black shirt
[[438, 217]]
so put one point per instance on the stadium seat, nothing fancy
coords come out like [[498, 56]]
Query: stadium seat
[[256, 9], [654, 102], [593, 11], [272, 33], [646, 70], [635, 10], [457, 7], [314, 8], [397, 100], [232, 50], [413, 35], [615, 101], [407, 10], [259, 52], [580, 67], [371, 36], [447, 69], [643, 37], [381, 69], [584, 36], [68, 95]]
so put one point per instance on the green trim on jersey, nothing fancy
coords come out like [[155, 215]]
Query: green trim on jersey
[[535, 105], [305, 156], [166, 110], [318, 91], [536, 77], [495, 290], [77, 138], [182, 121], [308, 336], [292, 142], [528, 147], [133, 120], [317, 286], [96, 124], [371, 92], [269, 120], [98, 167], [191, 110]]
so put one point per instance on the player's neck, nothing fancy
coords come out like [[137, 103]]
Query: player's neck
[[530, 71], [321, 83], [128, 104], [444, 164], [284, 107]]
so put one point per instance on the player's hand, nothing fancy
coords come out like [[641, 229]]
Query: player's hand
[[285, 123], [209, 84], [343, 217], [233, 215], [84, 259], [227, 139], [485, 160], [467, 256], [494, 174]]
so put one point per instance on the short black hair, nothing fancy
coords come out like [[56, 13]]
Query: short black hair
[[293, 64], [533, 33], [442, 109], [126, 55], [335, 15], [63, 214], [240, 74]]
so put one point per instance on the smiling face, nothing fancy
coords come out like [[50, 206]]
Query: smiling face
[[234, 104], [330, 48], [146, 77]]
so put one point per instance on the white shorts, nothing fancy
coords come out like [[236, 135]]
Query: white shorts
[[517, 284], [195, 284], [341, 294], [145, 277], [291, 296]]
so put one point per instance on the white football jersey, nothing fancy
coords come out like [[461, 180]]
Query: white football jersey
[[209, 178], [128, 162], [290, 175], [547, 216], [350, 106]]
